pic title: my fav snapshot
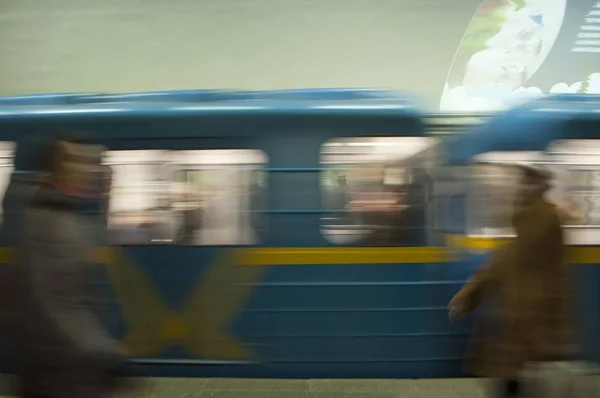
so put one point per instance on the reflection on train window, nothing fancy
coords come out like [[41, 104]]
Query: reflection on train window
[[186, 197], [576, 191], [139, 210], [450, 190], [492, 192], [376, 190], [7, 152], [491, 200], [218, 196]]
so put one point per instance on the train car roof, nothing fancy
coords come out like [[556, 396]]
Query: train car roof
[[194, 113], [206, 96], [200, 102], [531, 127]]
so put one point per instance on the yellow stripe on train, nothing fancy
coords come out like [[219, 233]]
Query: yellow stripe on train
[[364, 255], [314, 255], [479, 245], [343, 255]]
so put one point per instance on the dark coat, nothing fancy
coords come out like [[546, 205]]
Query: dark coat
[[529, 287], [32, 157], [19, 192], [66, 351]]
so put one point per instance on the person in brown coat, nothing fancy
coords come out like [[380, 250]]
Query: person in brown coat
[[527, 282]]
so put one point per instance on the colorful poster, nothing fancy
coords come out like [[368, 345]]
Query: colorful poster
[[516, 50]]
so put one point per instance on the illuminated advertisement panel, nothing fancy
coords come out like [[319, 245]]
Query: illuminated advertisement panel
[[515, 50]]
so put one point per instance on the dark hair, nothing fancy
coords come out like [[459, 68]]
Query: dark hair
[[37, 151], [62, 136], [533, 174], [71, 137], [34, 153], [540, 178]]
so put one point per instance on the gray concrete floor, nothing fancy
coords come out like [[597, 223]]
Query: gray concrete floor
[[274, 388], [278, 388]]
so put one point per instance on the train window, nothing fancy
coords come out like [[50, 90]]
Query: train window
[[139, 209], [576, 163], [492, 192], [7, 150], [376, 190], [218, 196]]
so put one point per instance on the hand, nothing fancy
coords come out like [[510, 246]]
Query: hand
[[456, 308], [455, 312]]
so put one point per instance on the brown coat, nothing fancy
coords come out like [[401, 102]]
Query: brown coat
[[527, 283]]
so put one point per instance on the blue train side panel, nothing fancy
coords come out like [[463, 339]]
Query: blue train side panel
[[295, 305], [390, 316]]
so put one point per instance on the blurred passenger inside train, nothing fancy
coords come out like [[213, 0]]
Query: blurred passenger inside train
[[191, 214], [374, 203], [342, 194], [106, 188], [65, 349], [164, 224], [527, 282], [409, 220], [394, 214]]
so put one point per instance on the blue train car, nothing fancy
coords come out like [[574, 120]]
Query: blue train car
[[560, 132], [275, 234]]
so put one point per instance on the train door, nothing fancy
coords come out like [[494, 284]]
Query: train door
[[491, 195], [576, 191], [575, 188], [138, 208], [477, 219], [177, 217], [216, 189]]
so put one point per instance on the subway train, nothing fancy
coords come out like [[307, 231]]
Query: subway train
[[303, 233]]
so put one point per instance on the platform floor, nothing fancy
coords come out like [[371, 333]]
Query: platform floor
[[275, 388]]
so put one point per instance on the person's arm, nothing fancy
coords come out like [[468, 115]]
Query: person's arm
[[484, 284]]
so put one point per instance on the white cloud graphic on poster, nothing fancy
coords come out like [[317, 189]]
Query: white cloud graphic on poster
[[493, 97]]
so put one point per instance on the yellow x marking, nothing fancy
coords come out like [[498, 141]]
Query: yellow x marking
[[202, 326]]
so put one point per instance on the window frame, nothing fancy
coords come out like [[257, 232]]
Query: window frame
[[428, 162], [7, 152], [168, 160], [575, 235], [494, 158]]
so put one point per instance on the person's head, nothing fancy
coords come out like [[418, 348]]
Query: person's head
[[534, 182], [75, 167], [34, 153]]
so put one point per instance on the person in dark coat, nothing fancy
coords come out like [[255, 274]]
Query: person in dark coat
[[30, 162], [66, 351], [528, 284]]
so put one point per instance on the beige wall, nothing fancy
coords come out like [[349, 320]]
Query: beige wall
[[138, 45]]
